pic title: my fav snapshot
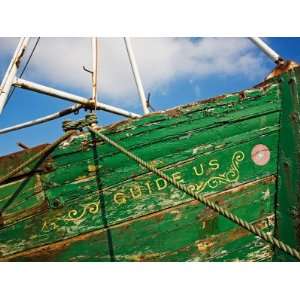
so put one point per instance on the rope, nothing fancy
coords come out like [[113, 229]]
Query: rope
[[42, 153], [246, 225]]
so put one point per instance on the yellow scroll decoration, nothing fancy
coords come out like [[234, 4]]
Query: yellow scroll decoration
[[232, 175], [75, 216]]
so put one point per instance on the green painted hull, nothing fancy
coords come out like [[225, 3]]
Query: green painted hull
[[89, 202]]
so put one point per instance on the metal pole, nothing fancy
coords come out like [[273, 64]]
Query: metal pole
[[116, 110], [136, 75], [266, 49], [95, 69], [12, 71], [28, 85], [42, 120]]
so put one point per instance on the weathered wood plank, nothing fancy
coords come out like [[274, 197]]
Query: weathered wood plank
[[118, 167], [228, 167], [81, 176], [288, 201], [21, 198], [185, 232], [10, 162], [200, 116], [180, 234], [153, 190]]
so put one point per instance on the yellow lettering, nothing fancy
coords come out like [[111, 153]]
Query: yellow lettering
[[197, 172], [214, 164], [120, 198], [164, 183], [148, 187], [177, 177], [138, 194]]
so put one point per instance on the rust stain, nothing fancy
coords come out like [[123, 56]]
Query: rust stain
[[115, 126], [286, 168], [294, 116], [159, 217], [1, 220], [207, 215], [205, 246], [220, 240], [282, 68], [263, 85], [9, 219], [173, 113], [297, 222], [145, 257], [242, 95], [84, 145], [214, 99]]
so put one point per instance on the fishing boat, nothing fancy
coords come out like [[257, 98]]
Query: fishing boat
[[214, 180]]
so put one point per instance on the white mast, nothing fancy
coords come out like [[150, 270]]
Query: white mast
[[136, 75], [266, 49], [95, 50], [12, 71]]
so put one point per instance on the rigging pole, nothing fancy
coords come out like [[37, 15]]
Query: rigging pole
[[267, 50], [95, 50], [11, 72], [136, 75]]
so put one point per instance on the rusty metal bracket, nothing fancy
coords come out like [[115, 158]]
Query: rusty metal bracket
[[281, 68]]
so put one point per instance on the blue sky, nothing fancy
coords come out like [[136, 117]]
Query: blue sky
[[175, 70]]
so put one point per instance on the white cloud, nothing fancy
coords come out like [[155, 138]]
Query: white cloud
[[59, 61]]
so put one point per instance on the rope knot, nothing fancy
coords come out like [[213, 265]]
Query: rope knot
[[89, 119]]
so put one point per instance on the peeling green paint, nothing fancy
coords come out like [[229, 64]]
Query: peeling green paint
[[92, 203]]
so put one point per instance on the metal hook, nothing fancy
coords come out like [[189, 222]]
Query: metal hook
[[87, 70], [148, 102]]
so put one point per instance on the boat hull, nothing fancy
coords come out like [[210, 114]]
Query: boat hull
[[89, 202]]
